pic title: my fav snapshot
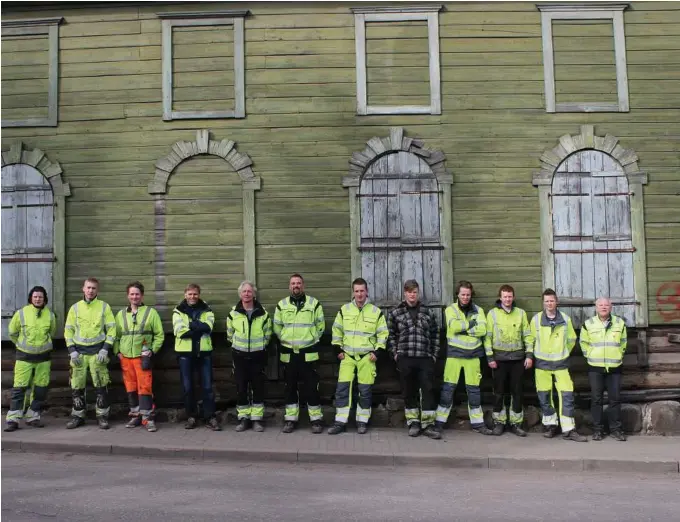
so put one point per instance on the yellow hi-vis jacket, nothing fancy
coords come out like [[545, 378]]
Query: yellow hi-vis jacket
[[465, 333], [90, 327], [507, 334], [31, 330], [185, 337], [358, 331], [299, 326], [137, 332], [249, 334], [604, 345], [553, 341]]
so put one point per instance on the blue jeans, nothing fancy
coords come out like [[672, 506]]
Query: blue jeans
[[187, 364]]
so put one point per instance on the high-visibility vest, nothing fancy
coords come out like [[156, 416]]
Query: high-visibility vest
[[249, 334], [89, 324], [180, 326], [358, 331], [299, 329], [31, 329], [507, 334], [139, 331], [464, 341], [604, 346], [552, 345]]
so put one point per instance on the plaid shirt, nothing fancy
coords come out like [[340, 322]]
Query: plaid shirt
[[419, 338]]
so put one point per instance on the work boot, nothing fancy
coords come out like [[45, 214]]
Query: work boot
[[573, 435], [11, 426], [288, 427], [213, 425], [190, 424], [134, 421], [431, 433], [151, 426], [258, 426], [103, 423], [498, 429], [362, 428], [483, 430], [550, 432], [439, 426], [336, 428], [317, 427], [242, 425], [414, 429], [598, 435], [517, 430], [35, 423], [75, 422], [619, 435]]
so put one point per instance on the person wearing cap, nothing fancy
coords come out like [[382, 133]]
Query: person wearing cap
[[31, 330], [413, 342]]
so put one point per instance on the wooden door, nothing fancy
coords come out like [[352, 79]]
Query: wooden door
[[27, 237], [400, 232], [592, 240]]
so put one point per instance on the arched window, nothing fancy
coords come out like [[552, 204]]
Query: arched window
[[33, 213], [401, 219], [592, 226]]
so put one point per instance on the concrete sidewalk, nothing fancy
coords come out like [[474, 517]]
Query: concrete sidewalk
[[380, 447]]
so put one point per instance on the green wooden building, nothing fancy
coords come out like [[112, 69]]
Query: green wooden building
[[499, 142]]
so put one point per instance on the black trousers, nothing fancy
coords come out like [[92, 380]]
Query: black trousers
[[598, 381], [507, 379], [298, 370], [249, 372], [417, 375]]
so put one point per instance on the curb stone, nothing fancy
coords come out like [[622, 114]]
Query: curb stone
[[294, 456]]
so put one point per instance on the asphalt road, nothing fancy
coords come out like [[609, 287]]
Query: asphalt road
[[71, 488]]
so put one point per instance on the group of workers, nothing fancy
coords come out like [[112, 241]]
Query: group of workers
[[505, 337]]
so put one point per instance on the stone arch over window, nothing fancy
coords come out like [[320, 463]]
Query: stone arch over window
[[239, 162], [33, 229], [592, 225], [400, 219]]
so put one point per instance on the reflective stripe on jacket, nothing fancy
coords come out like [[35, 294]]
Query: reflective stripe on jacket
[[90, 325], [301, 328], [463, 340], [604, 345], [139, 331], [359, 330], [507, 334], [552, 344], [180, 327], [31, 329], [249, 334]]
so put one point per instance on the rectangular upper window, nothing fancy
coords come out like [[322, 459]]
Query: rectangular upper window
[[203, 65], [30, 72], [397, 60], [584, 57]]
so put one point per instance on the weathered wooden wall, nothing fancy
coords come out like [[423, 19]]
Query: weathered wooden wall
[[301, 128]]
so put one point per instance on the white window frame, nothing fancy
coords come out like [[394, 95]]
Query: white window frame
[[594, 11], [50, 28], [234, 18], [428, 13]]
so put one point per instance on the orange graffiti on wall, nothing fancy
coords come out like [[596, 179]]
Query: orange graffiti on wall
[[668, 301]]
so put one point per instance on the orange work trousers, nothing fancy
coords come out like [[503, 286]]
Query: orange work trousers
[[138, 385]]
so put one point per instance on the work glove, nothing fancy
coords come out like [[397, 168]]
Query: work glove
[[146, 359], [75, 358], [472, 324], [103, 355]]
